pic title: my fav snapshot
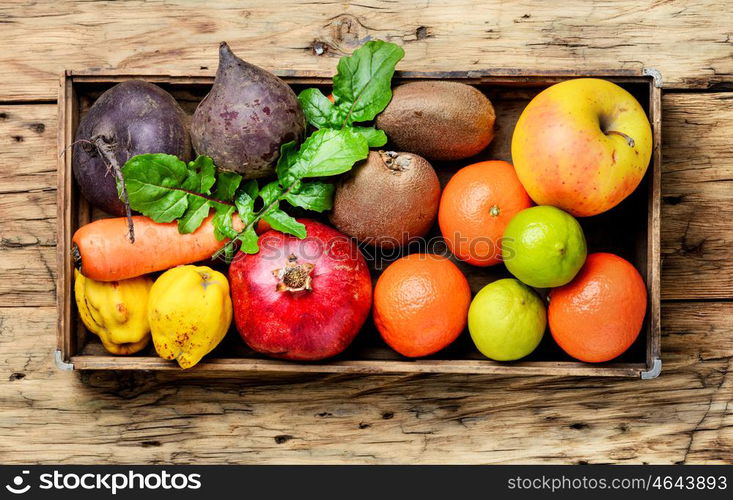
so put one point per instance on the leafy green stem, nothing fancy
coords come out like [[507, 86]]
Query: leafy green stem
[[202, 196], [250, 226], [347, 119]]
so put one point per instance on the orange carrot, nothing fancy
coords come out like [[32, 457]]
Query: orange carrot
[[262, 226], [103, 252]]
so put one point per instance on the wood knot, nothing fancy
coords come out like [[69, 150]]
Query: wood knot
[[319, 48], [349, 30], [344, 34], [421, 33]]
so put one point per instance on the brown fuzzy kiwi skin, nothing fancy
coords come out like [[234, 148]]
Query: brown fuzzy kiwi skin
[[438, 120], [387, 200]]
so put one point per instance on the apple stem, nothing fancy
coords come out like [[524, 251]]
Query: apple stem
[[629, 140]]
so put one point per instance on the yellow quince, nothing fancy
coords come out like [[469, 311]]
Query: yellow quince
[[190, 312], [116, 311]]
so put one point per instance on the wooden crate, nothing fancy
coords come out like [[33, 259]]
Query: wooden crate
[[630, 230]]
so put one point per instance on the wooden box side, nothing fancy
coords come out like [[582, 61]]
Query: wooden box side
[[72, 214], [654, 257], [67, 117]]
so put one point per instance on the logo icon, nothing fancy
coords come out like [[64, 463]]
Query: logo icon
[[19, 489]]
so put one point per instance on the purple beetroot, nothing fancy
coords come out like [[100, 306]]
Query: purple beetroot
[[131, 118], [248, 114]]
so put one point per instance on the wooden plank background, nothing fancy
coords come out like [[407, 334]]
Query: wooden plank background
[[685, 416]]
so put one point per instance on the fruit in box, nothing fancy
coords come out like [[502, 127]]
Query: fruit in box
[[420, 304], [544, 247], [507, 320], [190, 312], [598, 315], [301, 299], [475, 208], [387, 200], [115, 311], [582, 145], [439, 120]]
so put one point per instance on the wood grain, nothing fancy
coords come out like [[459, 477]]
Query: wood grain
[[28, 145], [28, 204], [114, 417], [697, 196], [688, 41]]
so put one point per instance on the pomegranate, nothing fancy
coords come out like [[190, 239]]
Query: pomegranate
[[301, 299]]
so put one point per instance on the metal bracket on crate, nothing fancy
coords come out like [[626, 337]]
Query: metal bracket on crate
[[655, 74], [655, 370], [61, 364]]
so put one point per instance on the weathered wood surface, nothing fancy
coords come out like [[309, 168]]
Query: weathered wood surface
[[684, 416], [697, 196], [27, 205], [689, 41]]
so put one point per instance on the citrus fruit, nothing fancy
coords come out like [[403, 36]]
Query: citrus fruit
[[477, 204], [544, 247], [420, 304], [506, 320], [599, 314]]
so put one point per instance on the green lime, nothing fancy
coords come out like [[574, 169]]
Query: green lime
[[506, 320], [544, 247]]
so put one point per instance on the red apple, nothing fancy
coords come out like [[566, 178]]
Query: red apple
[[301, 299], [582, 145]]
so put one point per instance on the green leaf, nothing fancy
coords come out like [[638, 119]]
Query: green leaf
[[317, 196], [327, 152], [223, 225], [197, 211], [284, 223], [249, 241], [201, 175], [245, 201], [226, 185], [362, 85], [251, 188], [288, 155], [153, 183], [270, 192], [375, 138], [318, 110]]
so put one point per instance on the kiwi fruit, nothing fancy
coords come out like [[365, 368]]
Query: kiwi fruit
[[387, 200], [438, 120]]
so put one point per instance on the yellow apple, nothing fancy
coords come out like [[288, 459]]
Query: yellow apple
[[582, 145]]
